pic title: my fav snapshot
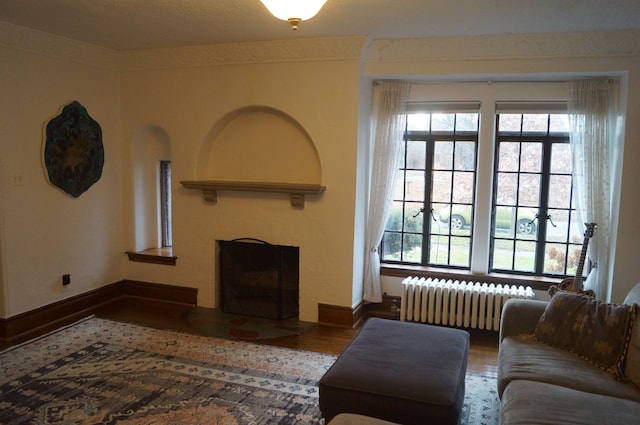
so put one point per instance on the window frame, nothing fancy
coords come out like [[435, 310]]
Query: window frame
[[430, 138], [164, 187], [489, 94], [543, 217]]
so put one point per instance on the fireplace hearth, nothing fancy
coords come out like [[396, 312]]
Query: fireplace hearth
[[259, 279]]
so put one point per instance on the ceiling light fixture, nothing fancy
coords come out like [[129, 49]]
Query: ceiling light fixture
[[294, 11]]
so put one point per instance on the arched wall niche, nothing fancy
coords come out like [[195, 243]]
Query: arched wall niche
[[151, 144], [259, 144]]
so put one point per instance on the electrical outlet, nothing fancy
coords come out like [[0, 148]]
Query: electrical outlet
[[66, 279], [17, 180]]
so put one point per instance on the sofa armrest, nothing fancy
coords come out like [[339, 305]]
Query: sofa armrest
[[520, 316]]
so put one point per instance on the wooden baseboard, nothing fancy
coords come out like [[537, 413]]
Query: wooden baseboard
[[45, 319], [335, 315]]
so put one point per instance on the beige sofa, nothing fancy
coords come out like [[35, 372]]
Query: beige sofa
[[541, 383]]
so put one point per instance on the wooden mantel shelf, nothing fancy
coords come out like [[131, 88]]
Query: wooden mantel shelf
[[296, 191]]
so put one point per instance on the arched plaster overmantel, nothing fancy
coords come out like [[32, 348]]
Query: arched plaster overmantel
[[259, 148]]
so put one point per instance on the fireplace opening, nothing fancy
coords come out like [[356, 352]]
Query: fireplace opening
[[259, 279]]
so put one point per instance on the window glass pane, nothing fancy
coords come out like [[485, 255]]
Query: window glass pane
[[398, 191], [558, 225], [503, 254], [526, 224], [443, 122], [441, 186], [509, 156], [537, 123], [165, 204], [440, 219], [413, 217], [443, 155], [529, 190], [412, 248], [575, 234], [510, 122], [418, 122], [559, 191], [439, 250], [463, 187], [525, 256], [507, 189], [414, 186], [461, 219], [555, 258], [561, 158], [416, 155], [391, 246], [467, 122], [558, 123], [460, 249], [394, 222], [465, 156], [531, 159]]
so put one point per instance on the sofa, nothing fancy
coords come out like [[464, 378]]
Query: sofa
[[570, 360]]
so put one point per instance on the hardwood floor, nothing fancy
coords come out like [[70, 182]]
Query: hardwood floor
[[483, 352]]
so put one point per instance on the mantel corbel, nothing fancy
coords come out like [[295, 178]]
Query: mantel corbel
[[296, 191]]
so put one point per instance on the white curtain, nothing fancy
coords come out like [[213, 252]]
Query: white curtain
[[591, 136], [388, 124]]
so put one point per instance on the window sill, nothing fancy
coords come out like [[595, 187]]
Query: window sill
[[154, 255], [540, 283]]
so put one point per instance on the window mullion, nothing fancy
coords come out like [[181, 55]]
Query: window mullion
[[427, 217], [543, 210]]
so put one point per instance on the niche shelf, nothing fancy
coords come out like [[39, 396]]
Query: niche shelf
[[296, 191]]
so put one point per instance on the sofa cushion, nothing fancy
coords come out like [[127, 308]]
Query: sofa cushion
[[632, 366], [529, 402], [597, 331], [527, 359]]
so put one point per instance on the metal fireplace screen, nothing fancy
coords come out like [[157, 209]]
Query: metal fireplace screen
[[259, 279]]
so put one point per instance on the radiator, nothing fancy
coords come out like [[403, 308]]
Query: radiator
[[456, 303]]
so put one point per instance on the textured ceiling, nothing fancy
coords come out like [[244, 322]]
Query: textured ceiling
[[143, 24]]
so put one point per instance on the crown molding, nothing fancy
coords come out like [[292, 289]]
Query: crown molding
[[512, 46], [318, 49], [50, 45]]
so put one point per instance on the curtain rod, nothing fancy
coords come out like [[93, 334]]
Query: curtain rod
[[491, 81]]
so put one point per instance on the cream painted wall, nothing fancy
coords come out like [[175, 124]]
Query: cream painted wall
[[45, 232], [322, 84], [188, 102]]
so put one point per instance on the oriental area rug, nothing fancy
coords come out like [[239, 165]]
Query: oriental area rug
[[99, 371]]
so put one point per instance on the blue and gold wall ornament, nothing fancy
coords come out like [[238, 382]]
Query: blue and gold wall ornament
[[73, 152]]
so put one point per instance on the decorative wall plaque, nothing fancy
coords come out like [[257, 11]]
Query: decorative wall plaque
[[73, 152]]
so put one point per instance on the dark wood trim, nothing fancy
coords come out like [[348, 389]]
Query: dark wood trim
[[336, 315], [155, 256], [36, 322], [404, 270], [160, 292]]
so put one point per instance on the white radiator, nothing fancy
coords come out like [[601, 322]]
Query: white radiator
[[457, 303]]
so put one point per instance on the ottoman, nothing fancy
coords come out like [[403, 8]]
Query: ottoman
[[408, 373]]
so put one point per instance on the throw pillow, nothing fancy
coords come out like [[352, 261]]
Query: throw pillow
[[632, 365], [596, 331]]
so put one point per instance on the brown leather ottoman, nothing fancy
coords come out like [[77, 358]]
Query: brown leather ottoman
[[402, 372]]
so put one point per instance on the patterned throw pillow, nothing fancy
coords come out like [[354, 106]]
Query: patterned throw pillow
[[594, 330]]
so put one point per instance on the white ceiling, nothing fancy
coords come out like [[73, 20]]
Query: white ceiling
[[143, 24]]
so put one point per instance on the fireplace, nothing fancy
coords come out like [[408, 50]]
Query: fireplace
[[259, 279]]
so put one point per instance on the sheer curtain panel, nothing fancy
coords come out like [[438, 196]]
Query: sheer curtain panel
[[592, 138], [388, 125]]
